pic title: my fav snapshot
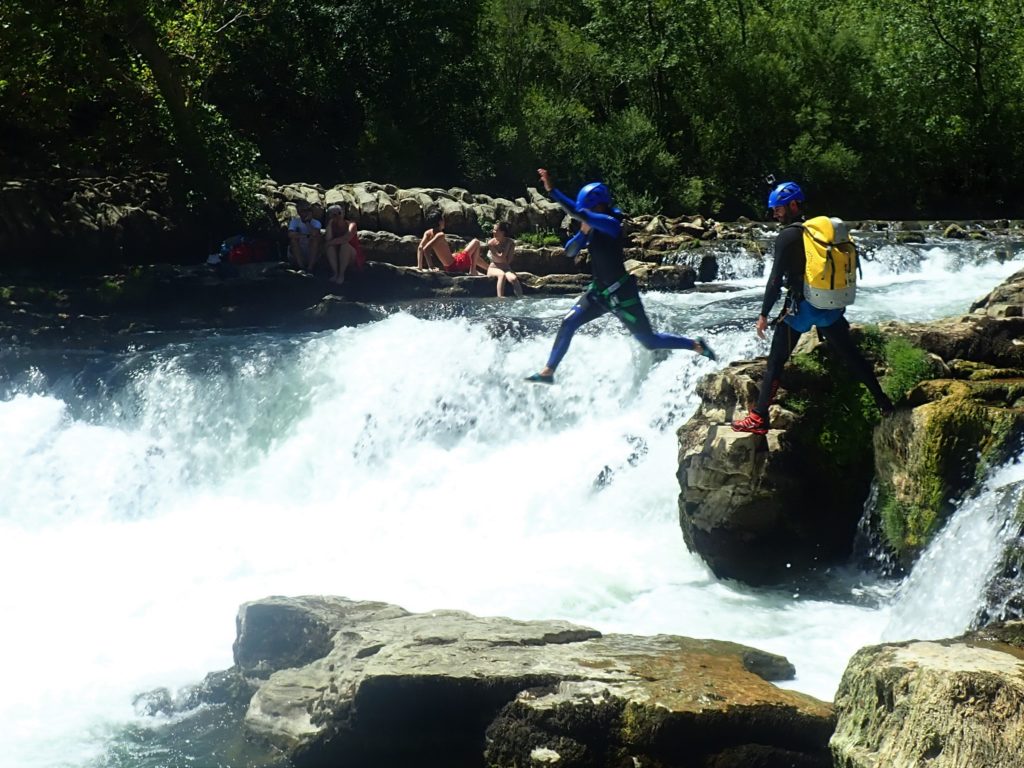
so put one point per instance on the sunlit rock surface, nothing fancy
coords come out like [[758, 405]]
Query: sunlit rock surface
[[352, 683], [944, 704], [767, 508]]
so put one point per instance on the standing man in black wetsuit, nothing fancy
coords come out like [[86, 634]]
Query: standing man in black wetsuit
[[785, 202], [613, 290]]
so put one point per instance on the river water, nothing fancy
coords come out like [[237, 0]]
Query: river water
[[146, 491]]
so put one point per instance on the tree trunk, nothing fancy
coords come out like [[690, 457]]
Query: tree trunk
[[139, 32]]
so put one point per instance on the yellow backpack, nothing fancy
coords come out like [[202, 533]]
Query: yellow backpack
[[830, 276]]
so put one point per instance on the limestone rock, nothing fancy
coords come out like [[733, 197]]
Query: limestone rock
[[540, 690], [765, 509], [947, 704], [960, 425], [928, 457], [977, 337], [1005, 300]]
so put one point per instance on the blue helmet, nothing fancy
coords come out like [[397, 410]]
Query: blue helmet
[[594, 193], [784, 193]]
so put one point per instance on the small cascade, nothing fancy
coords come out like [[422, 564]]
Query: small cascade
[[947, 591]]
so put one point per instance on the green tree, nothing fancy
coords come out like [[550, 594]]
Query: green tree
[[947, 91], [103, 86]]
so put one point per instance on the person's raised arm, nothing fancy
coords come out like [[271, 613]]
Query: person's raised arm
[[567, 205], [602, 222]]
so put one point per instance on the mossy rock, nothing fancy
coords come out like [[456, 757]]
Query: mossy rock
[[931, 456], [768, 509]]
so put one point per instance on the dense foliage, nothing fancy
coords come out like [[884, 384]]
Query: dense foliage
[[889, 108]]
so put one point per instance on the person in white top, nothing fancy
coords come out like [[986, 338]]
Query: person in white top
[[304, 237]]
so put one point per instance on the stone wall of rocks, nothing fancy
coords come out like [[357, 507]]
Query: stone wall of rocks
[[110, 222], [91, 223]]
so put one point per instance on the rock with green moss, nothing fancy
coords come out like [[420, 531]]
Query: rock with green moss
[[929, 456], [945, 704], [974, 371], [997, 341], [765, 509]]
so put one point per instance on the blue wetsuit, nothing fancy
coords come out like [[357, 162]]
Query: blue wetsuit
[[612, 290]]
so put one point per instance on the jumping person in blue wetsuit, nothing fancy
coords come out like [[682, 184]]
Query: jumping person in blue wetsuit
[[613, 290]]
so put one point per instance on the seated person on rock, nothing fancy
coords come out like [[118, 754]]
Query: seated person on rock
[[343, 247], [501, 249], [304, 237], [468, 260]]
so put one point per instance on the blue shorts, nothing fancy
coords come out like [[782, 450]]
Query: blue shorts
[[808, 315]]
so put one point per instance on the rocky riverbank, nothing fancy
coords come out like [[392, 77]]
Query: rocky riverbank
[[87, 260], [97, 225], [323, 681]]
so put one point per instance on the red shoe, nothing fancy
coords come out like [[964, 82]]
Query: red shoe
[[752, 423]]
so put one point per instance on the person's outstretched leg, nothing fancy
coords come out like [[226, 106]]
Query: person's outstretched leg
[[838, 335], [630, 310], [585, 309]]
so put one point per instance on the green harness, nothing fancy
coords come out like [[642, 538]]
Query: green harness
[[616, 305]]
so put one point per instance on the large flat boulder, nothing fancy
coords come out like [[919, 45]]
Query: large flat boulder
[[359, 684]]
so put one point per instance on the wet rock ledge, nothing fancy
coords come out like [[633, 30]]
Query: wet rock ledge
[[338, 682], [322, 682]]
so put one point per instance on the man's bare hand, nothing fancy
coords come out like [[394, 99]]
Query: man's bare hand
[[545, 178], [761, 325]]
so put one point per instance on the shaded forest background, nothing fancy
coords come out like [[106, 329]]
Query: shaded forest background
[[882, 108]]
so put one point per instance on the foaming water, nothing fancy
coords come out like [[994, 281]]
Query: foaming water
[[940, 598], [935, 286], [145, 494]]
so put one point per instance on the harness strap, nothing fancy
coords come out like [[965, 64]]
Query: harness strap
[[614, 286], [789, 307], [617, 306]]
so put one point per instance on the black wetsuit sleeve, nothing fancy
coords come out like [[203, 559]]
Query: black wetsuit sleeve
[[787, 267]]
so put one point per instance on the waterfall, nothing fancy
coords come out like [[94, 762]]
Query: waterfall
[[945, 592]]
